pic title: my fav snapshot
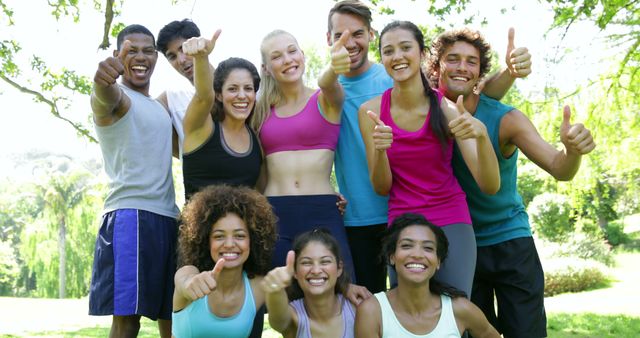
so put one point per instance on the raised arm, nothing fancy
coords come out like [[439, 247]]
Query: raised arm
[[332, 96], [563, 164], [475, 145], [518, 61], [197, 120], [108, 102], [191, 284], [282, 317], [377, 138], [469, 317], [368, 319]]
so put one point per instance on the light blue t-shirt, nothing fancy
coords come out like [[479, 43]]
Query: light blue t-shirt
[[365, 207], [500, 217], [197, 320]]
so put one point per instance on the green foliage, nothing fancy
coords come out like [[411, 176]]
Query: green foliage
[[572, 275], [9, 269], [582, 246], [8, 12], [614, 233], [117, 28], [8, 48], [549, 215], [589, 325], [62, 8]]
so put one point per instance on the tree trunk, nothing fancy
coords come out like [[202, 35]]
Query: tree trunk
[[62, 250]]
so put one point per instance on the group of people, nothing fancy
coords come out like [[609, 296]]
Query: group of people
[[263, 226]]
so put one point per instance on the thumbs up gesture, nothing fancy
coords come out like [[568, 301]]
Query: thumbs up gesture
[[382, 134], [110, 69], [203, 283], [576, 138], [518, 59], [465, 126], [279, 278], [340, 62], [200, 46]]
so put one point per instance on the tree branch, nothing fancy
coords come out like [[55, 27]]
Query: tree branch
[[54, 107], [108, 19]]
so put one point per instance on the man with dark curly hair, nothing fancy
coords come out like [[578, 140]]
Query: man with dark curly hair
[[508, 266], [224, 247]]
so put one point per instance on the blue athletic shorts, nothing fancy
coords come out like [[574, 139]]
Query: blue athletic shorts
[[134, 265], [298, 214]]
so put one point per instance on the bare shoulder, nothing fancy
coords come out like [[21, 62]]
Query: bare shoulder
[[369, 306], [372, 104]]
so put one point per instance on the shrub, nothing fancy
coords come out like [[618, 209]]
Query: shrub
[[614, 233], [573, 275], [549, 215], [582, 246]]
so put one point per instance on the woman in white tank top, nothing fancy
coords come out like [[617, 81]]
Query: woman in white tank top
[[419, 306]]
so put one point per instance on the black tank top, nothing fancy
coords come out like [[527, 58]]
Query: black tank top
[[214, 162]]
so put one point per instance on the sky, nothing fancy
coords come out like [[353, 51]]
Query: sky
[[28, 125]]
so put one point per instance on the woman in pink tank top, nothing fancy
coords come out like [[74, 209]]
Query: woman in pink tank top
[[298, 128], [408, 134]]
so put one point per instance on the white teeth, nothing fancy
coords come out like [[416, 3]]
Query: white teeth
[[415, 266], [316, 281], [240, 105], [459, 78], [354, 53], [402, 66], [143, 68], [230, 255]]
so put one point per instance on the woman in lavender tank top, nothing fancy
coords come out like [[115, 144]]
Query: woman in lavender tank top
[[409, 133], [316, 277]]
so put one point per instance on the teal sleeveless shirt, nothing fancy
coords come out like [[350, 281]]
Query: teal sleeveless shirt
[[500, 217], [197, 320]]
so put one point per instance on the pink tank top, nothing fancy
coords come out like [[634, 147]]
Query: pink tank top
[[305, 130], [423, 180]]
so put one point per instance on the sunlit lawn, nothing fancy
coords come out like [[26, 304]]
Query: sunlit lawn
[[560, 325]]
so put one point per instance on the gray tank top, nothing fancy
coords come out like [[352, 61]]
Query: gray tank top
[[136, 151], [304, 327]]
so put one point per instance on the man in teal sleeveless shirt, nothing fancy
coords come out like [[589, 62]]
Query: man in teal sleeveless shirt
[[508, 264]]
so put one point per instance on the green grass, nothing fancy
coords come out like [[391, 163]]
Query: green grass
[[561, 325]]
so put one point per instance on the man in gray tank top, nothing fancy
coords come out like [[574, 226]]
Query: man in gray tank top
[[134, 260]]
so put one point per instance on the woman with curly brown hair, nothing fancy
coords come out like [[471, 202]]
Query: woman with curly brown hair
[[224, 247]]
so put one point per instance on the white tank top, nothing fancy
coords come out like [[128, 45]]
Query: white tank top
[[391, 327]]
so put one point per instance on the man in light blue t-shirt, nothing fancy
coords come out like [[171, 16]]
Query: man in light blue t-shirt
[[366, 212]]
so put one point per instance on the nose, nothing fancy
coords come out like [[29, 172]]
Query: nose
[[182, 57], [315, 268], [228, 242], [242, 93]]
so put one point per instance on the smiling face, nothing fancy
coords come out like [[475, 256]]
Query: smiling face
[[459, 69], [415, 257], [317, 269], [357, 45], [238, 94], [139, 61], [229, 239], [401, 54], [283, 58], [180, 61]]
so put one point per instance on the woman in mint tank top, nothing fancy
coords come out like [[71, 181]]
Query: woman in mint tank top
[[317, 280], [408, 134], [420, 306], [225, 241]]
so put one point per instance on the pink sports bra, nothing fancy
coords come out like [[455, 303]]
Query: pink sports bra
[[305, 130]]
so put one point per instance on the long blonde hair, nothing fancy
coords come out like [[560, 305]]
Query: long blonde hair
[[270, 93]]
